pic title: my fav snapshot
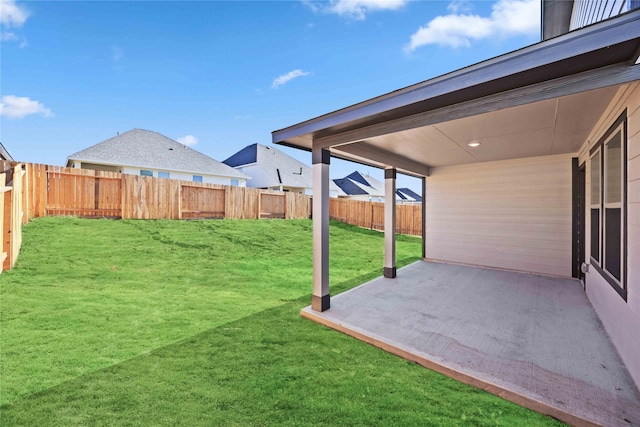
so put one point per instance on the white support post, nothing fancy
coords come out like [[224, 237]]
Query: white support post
[[390, 223], [320, 300]]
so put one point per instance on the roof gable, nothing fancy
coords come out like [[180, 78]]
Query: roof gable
[[147, 149], [282, 168], [246, 156], [406, 193], [357, 176], [349, 187], [357, 183]]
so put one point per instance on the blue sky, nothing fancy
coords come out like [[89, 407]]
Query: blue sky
[[221, 75]]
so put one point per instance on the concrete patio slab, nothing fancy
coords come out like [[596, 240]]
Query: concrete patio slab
[[531, 339]]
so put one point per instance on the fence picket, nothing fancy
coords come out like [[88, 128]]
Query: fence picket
[[371, 215]]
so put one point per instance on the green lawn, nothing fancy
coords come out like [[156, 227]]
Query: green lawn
[[196, 323]]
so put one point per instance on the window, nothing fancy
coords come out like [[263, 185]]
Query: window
[[608, 205], [164, 175], [146, 173], [234, 182], [197, 178]]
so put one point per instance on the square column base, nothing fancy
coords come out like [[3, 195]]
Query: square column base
[[389, 272], [320, 303]]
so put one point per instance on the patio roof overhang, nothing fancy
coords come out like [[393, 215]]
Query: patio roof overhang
[[540, 100]]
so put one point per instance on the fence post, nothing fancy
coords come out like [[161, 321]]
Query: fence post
[[227, 190], [16, 225], [25, 195], [3, 189], [123, 192], [371, 203], [6, 228]]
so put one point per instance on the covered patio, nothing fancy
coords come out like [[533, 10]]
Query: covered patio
[[509, 154], [532, 339]]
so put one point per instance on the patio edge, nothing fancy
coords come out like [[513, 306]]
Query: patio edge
[[500, 391]]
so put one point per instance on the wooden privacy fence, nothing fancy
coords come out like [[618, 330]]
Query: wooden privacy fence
[[33, 190], [11, 216], [55, 190], [371, 215]]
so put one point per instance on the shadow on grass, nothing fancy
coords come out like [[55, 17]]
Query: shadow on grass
[[270, 368]]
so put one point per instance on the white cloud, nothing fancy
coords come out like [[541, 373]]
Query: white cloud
[[8, 36], [508, 18], [286, 78], [11, 14], [459, 6], [187, 140], [354, 9], [16, 107]]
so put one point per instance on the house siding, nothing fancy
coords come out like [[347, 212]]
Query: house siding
[[619, 317], [513, 214], [210, 179], [587, 12], [259, 177]]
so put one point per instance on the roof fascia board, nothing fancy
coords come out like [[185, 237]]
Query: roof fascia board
[[564, 86], [5, 153], [373, 156], [368, 162], [594, 37]]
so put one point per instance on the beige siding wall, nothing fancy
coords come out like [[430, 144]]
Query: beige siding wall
[[513, 214], [621, 319]]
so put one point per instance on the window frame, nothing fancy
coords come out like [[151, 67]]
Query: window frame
[[164, 175], [619, 126], [146, 172], [197, 178], [595, 206]]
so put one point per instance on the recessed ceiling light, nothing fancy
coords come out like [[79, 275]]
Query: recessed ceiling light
[[473, 144]]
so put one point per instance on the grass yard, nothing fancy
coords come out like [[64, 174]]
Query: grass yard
[[196, 323]]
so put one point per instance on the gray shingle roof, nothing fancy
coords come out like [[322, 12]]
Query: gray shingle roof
[[243, 157], [349, 187], [146, 149], [407, 193], [282, 168], [293, 173]]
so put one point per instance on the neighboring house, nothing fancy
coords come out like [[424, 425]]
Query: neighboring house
[[4, 154], [270, 168], [362, 186], [531, 161], [147, 153], [408, 195]]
